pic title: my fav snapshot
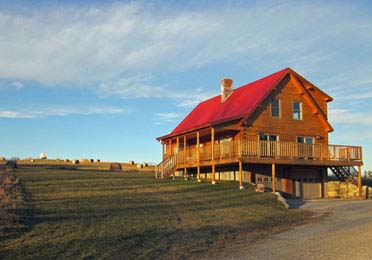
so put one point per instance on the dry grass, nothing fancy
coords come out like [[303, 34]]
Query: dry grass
[[83, 165], [11, 205], [102, 215]]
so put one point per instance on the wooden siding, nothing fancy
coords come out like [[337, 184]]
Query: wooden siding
[[285, 126]]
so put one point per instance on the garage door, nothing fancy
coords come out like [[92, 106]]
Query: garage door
[[306, 188]]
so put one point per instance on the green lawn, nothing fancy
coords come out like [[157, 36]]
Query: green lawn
[[86, 214]]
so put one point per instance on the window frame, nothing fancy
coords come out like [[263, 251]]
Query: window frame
[[304, 139], [300, 110], [279, 108], [268, 137]]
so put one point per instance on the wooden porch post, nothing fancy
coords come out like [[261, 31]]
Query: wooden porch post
[[170, 147], [273, 179], [213, 166], [241, 175], [197, 155], [360, 181], [178, 150], [184, 156], [162, 150]]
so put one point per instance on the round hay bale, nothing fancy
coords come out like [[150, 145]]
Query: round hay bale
[[91, 160], [331, 186], [32, 160], [145, 164], [353, 186], [334, 185], [139, 166], [2, 159], [67, 160], [76, 162], [12, 164], [115, 167], [352, 194], [131, 162], [332, 194], [84, 160], [98, 160]]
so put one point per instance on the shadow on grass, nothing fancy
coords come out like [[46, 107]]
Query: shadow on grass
[[295, 203]]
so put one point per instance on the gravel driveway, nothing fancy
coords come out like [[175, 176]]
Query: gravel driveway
[[345, 233]]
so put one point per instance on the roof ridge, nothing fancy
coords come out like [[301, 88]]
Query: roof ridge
[[247, 84], [242, 102]]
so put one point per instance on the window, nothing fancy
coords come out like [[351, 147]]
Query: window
[[305, 147], [305, 140], [275, 108], [297, 110], [225, 143], [268, 147], [268, 137]]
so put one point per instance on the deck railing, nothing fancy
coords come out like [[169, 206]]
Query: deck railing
[[233, 150]]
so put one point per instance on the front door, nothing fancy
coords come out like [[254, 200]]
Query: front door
[[268, 143]]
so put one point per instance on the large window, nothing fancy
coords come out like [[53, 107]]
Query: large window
[[305, 147], [275, 107], [305, 140], [268, 137], [268, 145], [297, 110]]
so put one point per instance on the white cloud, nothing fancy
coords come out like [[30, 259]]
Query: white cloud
[[81, 45], [170, 117], [40, 112], [131, 87], [349, 117], [17, 85], [140, 86]]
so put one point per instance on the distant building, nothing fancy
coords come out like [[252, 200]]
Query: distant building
[[43, 156]]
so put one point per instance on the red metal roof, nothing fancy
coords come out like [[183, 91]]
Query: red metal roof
[[242, 101]]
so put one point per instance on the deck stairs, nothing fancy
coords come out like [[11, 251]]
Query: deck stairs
[[166, 168], [344, 173]]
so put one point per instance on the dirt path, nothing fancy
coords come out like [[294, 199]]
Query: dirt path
[[345, 233]]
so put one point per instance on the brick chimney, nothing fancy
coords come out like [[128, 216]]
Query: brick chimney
[[226, 88]]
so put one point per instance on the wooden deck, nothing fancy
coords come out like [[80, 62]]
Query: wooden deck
[[259, 152], [268, 152]]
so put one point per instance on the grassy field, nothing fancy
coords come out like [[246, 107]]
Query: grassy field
[[90, 214]]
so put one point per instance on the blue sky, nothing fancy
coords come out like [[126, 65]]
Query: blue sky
[[102, 80]]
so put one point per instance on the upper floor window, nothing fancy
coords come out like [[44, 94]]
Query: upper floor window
[[275, 107], [297, 110]]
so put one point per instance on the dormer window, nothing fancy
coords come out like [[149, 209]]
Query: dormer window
[[275, 108], [297, 110]]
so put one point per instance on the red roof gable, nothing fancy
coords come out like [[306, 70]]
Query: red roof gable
[[242, 101]]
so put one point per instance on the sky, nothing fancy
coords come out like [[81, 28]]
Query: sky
[[95, 79]]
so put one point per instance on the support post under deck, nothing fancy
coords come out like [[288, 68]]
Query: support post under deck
[[273, 179], [360, 181], [241, 175]]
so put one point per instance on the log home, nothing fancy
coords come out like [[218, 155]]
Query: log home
[[272, 131]]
